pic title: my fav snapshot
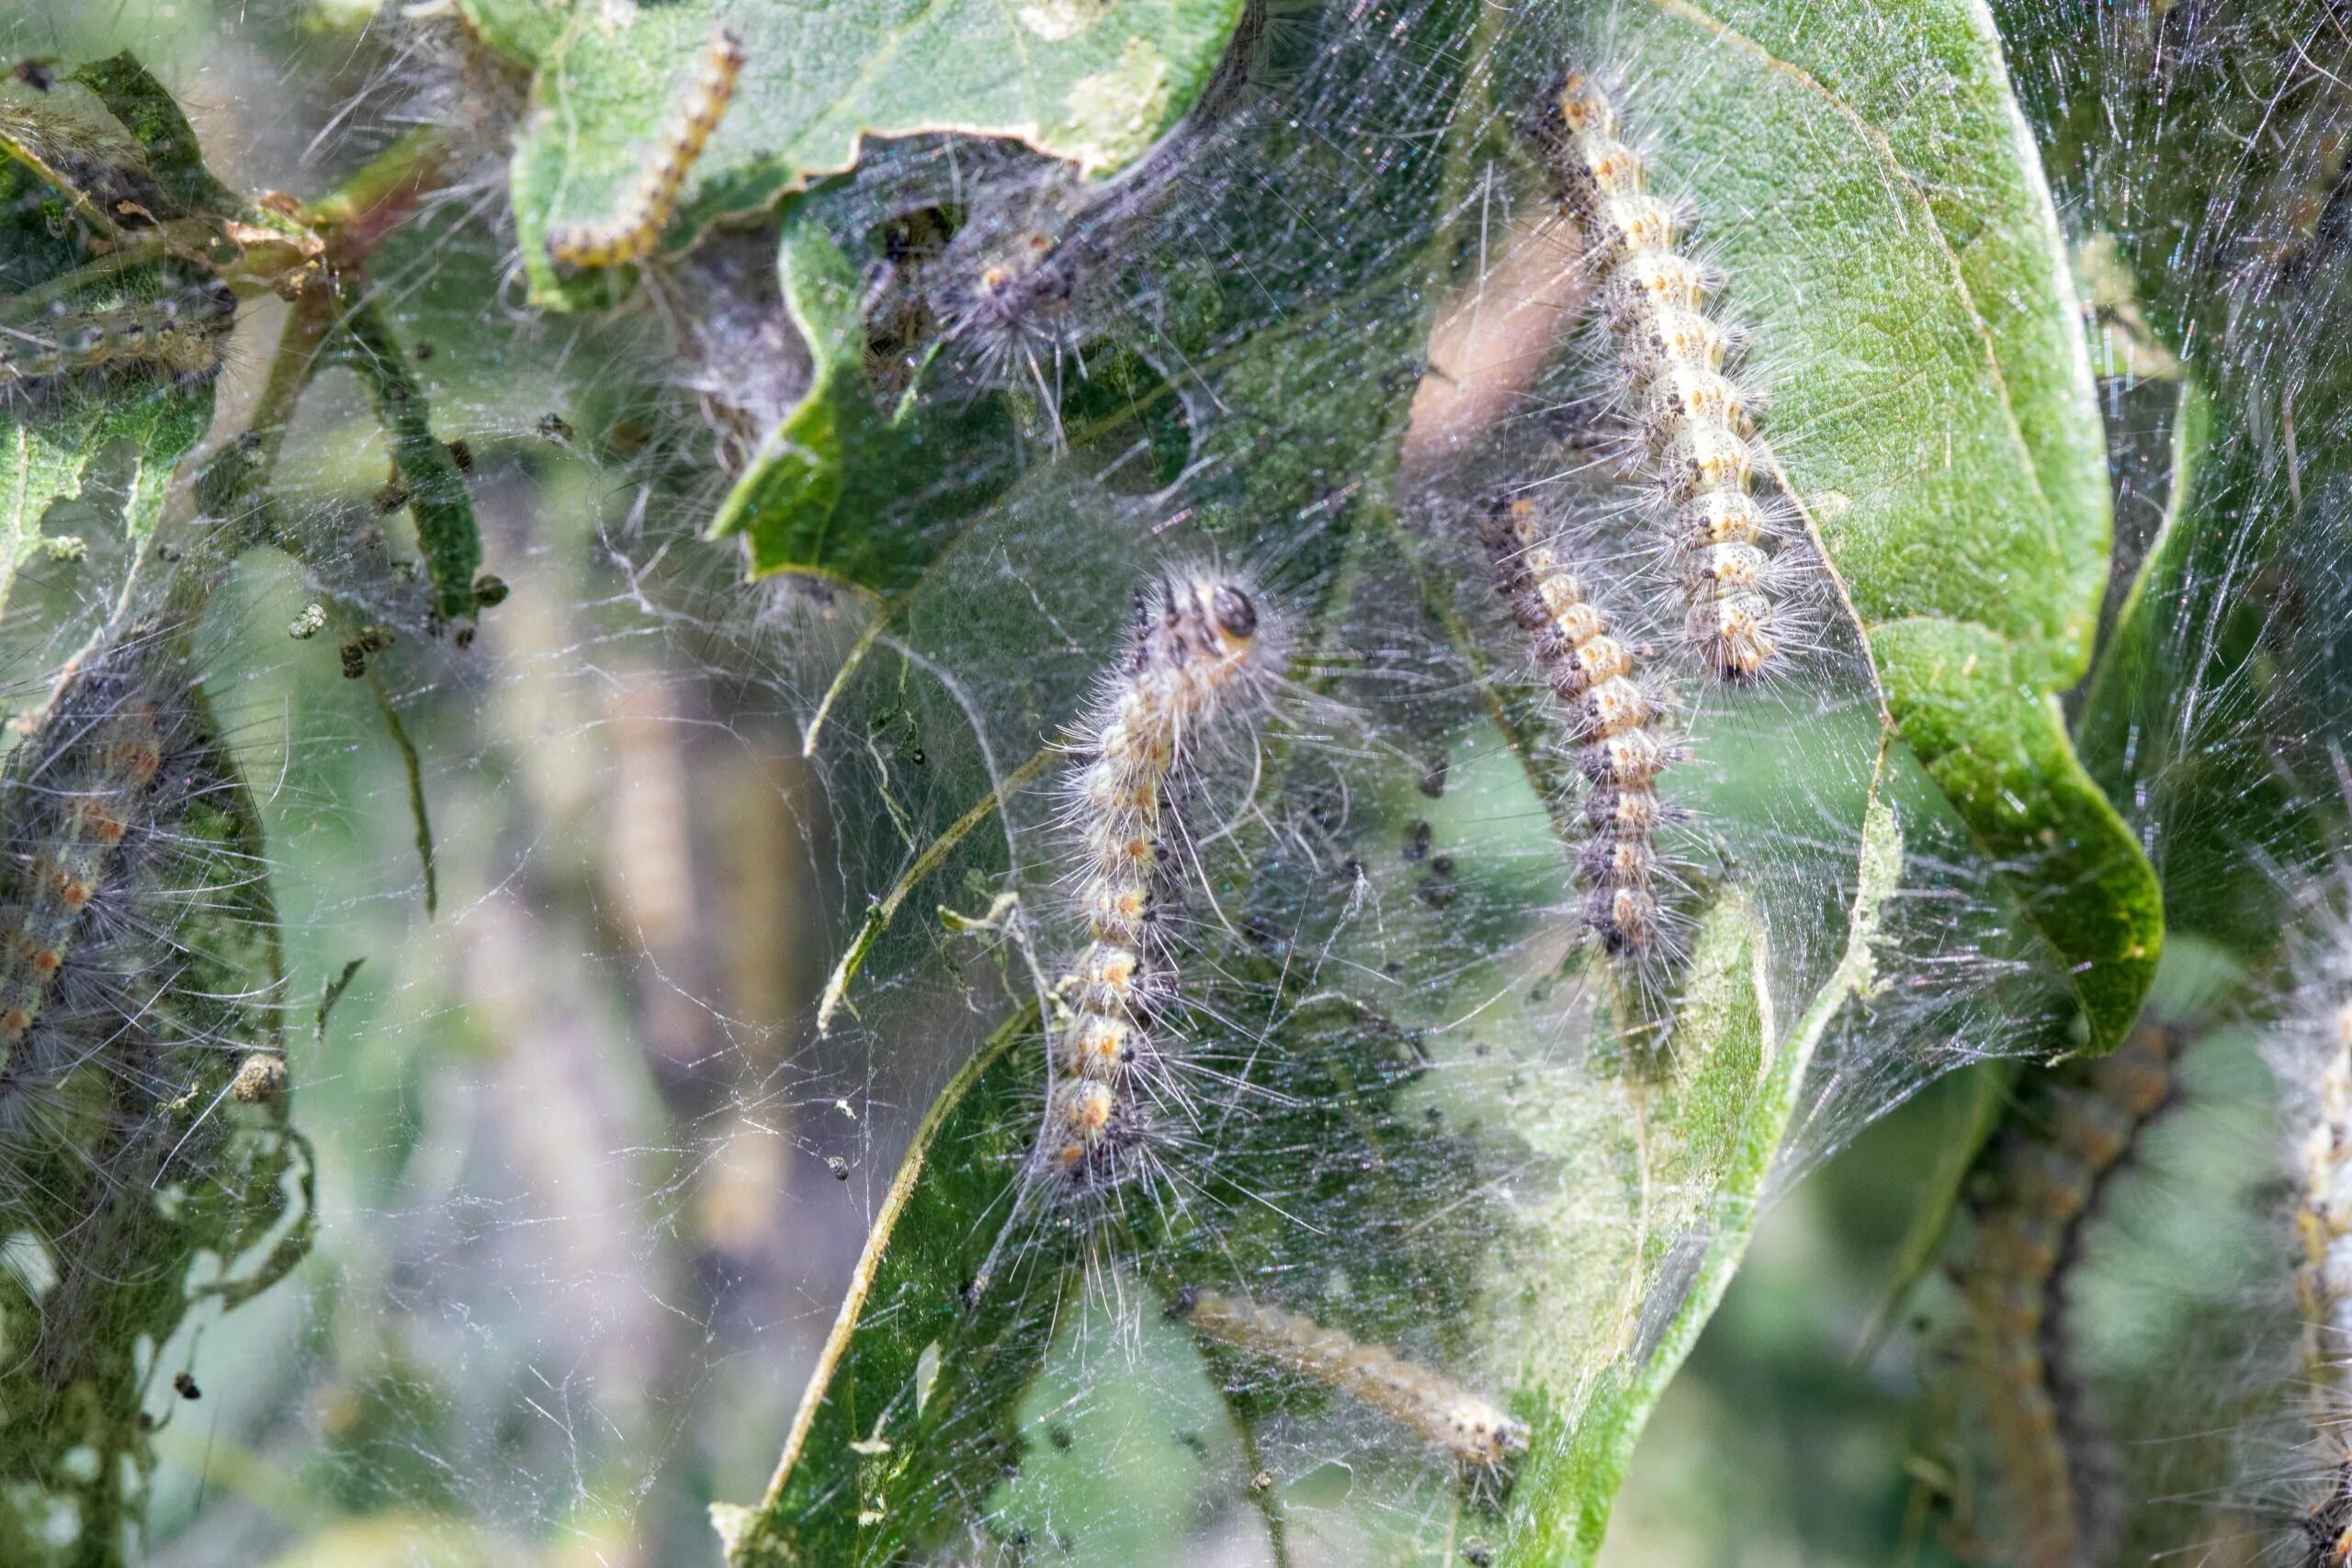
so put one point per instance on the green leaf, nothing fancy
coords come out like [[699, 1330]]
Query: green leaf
[[1551, 1221], [58, 179], [913, 1411], [1998, 746], [840, 488], [1897, 253], [164, 138], [2219, 683], [1095, 82], [1702, 1140], [875, 1416]]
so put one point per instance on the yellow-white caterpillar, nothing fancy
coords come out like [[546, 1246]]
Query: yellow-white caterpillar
[[1205, 641], [1695, 425], [2324, 1286], [1613, 721], [650, 199], [1434, 1408], [2045, 1183], [181, 333]]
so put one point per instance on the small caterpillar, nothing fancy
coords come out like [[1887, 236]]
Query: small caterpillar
[[173, 333], [1434, 1408], [1613, 720], [2045, 1186], [650, 199], [1695, 426], [1202, 639]]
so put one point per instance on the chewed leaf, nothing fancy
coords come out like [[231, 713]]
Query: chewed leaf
[[812, 493], [1865, 184], [44, 458], [1095, 82]]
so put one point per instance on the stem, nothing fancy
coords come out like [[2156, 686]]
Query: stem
[[359, 214]]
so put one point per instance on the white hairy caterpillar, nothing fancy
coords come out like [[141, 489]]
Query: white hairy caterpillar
[[94, 801], [1613, 723], [2323, 1285], [650, 199], [1205, 643], [1693, 427], [1434, 1408]]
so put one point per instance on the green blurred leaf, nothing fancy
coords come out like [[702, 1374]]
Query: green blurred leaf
[[1092, 81]]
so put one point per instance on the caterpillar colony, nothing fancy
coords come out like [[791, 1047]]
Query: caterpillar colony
[[1613, 721], [2044, 1187], [650, 199], [1205, 644], [1695, 426], [1434, 1408]]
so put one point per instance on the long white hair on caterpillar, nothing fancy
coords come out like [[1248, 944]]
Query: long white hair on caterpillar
[[1206, 646]]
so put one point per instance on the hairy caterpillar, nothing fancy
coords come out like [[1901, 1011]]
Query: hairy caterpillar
[[1203, 638], [2314, 1064], [99, 809], [2045, 1185], [181, 333], [650, 199], [142, 1106], [2324, 1288], [1694, 425], [1434, 1408], [1613, 721]]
